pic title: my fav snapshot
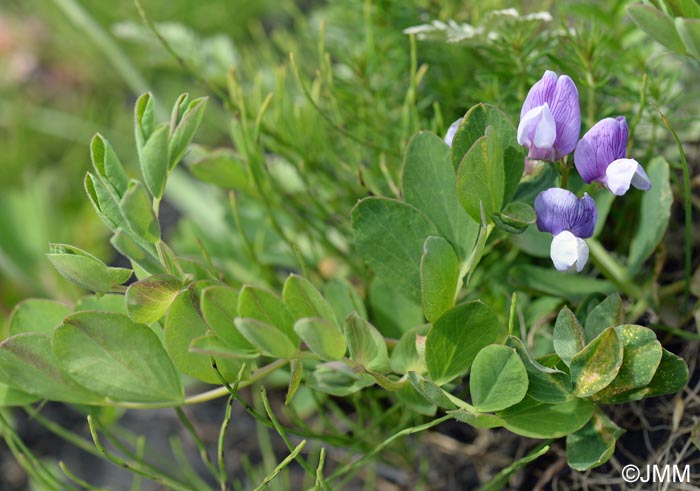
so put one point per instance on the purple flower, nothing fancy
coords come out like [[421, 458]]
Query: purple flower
[[570, 220], [550, 120], [451, 131], [601, 156]]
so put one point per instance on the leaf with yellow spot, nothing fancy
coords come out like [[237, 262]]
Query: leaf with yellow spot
[[597, 365], [642, 355]]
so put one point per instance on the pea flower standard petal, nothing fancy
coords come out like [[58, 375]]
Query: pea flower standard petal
[[550, 120], [570, 220], [601, 156]]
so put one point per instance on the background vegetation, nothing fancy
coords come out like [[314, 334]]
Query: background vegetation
[[334, 129]]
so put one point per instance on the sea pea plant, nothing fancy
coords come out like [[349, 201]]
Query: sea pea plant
[[459, 198]]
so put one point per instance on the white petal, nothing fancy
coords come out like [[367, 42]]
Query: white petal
[[526, 122], [640, 180], [568, 251], [538, 128], [620, 174], [546, 131], [452, 131]]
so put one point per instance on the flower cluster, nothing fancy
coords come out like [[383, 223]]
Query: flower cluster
[[550, 123]]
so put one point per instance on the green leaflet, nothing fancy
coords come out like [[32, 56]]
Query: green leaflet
[[498, 379], [593, 444], [117, 358], [440, 277], [148, 300], [429, 183], [389, 235], [323, 337], [28, 363], [594, 367], [37, 315], [456, 338], [366, 344]]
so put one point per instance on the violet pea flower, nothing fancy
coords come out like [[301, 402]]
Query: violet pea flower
[[550, 120], [601, 156], [570, 220]]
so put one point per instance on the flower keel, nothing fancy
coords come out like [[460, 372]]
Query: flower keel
[[570, 220]]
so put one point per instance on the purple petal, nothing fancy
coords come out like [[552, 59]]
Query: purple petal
[[451, 131], [567, 115], [560, 210], [599, 147], [541, 92]]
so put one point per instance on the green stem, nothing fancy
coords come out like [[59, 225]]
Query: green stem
[[131, 466], [281, 466], [688, 210], [473, 261], [140, 453], [282, 433], [640, 112], [590, 109], [61, 432], [82, 19], [613, 270], [406, 431], [388, 384], [564, 174], [327, 119], [223, 480], [320, 481], [83, 484], [203, 454], [681, 333], [209, 395], [672, 288], [32, 465]]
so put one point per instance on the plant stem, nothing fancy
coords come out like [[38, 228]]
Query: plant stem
[[564, 170], [61, 432], [209, 395], [223, 479], [82, 19], [473, 261], [131, 466], [406, 431], [282, 433], [281, 466], [33, 466], [327, 119], [613, 270], [204, 455], [638, 115], [688, 209], [83, 484]]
